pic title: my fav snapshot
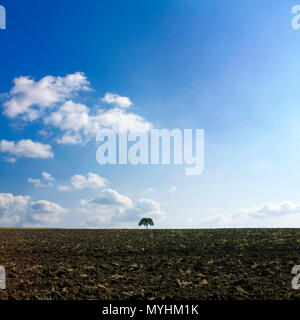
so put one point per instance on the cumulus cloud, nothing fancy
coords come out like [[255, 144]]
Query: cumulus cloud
[[18, 211], [27, 149], [269, 214], [10, 204], [70, 116], [270, 210], [47, 176], [144, 208], [172, 189], [51, 99], [47, 180], [78, 182], [70, 138], [92, 180], [113, 208], [37, 183], [79, 125], [111, 197], [44, 212], [12, 208], [29, 98], [109, 208], [115, 99], [119, 119]]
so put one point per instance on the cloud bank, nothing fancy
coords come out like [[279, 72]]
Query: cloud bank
[[51, 101], [286, 213], [29, 98], [19, 211], [26, 149]]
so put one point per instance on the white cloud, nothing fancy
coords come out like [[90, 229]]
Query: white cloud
[[45, 213], [148, 208], [11, 209], [70, 116], [10, 204], [111, 197], [282, 214], [271, 210], [115, 99], [110, 208], [39, 184], [79, 126], [27, 149], [30, 98], [79, 182], [50, 99], [70, 138], [120, 119], [47, 176], [91, 181], [19, 211], [113, 208], [10, 160], [36, 182]]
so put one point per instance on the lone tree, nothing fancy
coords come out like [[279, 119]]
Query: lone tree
[[146, 222]]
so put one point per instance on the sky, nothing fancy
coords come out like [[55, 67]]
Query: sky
[[71, 68]]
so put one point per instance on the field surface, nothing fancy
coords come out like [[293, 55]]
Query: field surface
[[149, 264]]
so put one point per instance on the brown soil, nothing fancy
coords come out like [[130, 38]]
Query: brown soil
[[149, 264]]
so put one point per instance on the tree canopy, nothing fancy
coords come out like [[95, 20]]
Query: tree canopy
[[146, 222]]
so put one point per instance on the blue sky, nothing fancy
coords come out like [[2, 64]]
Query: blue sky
[[230, 68]]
